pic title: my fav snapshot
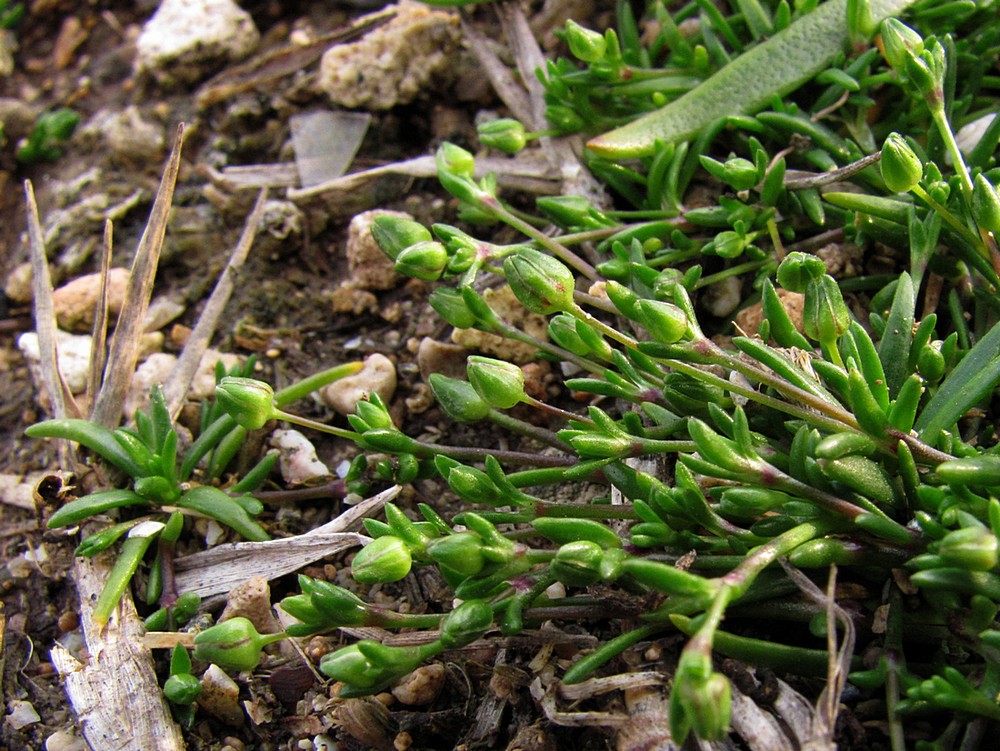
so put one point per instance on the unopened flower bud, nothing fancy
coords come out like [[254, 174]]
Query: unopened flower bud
[[182, 688], [461, 553], [394, 234], [351, 667], [449, 304], [425, 260], [563, 119], [586, 45], [972, 548], [578, 563], [500, 383], [248, 401], [707, 705], [899, 41], [798, 269], [465, 624], [475, 486], [664, 321], [540, 282], [384, 559], [562, 331], [506, 135], [456, 160], [986, 205], [458, 399], [901, 167], [233, 644], [825, 315]]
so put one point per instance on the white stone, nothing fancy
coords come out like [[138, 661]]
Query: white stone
[[394, 63], [297, 459], [187, 39], [378, 376], [73, 356], [22, 714], [157, 367], [62, 740]]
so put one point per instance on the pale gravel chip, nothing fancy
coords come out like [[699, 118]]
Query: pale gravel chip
[[393, 63]]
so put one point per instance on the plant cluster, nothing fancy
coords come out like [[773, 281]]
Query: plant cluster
[[865, 444]]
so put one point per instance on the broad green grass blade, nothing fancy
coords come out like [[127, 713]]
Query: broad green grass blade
[[776, 67]]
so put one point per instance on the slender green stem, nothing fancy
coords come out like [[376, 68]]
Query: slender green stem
[[305, 422], [949, 217], [610, 649], [306, 386], [492, 205], [526, 429]]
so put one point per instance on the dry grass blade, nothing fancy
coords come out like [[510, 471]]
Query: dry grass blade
[[97, 352], [107, 409], [526, 171], [220, 569], [562, 153], [828, 706], [45, 318], [176, 386]]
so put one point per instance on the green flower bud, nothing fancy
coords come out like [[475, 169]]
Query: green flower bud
[[458, 399], [451, 306], [664, 321], [901, 167], [465, 624], [386, 559], [986, 205], [301, 607], [338, 606], [461, 553], [729, 244], [586, 45], [899, 41], [500, 383], [931, 363], [926, 72], [474, 486], [562, 331], [706, 704], [541, 283], [506, 135], [394, 234], [565, 211], [455, 168], [455, 160], [739, 173], [825, 315], [972, 548], [350, 666], [563, 119], [248, 401], [157, 489], [798, 270], [373, 414], [578, 564], [860, 22], [425, 260], [182, 688], [233, 644]]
